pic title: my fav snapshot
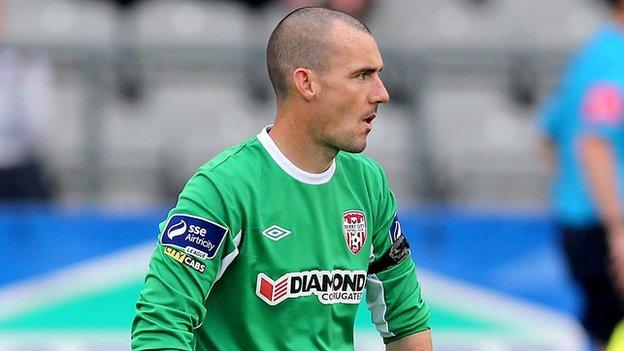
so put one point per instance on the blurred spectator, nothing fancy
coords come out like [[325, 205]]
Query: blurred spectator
[[127, 63], [584, 125], [128, 67], [25, 107], [356, 8], [255, 3]]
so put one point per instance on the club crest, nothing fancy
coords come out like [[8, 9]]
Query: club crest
[[354, 229]]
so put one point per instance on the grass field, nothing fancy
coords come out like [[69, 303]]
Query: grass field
[[90, 306]]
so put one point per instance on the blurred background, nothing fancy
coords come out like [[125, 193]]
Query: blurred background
[[108, 107]]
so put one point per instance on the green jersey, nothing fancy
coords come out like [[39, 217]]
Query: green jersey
[[261, 255]]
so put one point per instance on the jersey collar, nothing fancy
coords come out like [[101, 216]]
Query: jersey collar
[[288, 167]]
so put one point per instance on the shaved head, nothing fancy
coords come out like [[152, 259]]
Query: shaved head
[[303, 39]]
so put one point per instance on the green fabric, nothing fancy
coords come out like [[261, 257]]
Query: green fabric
[[245, 190], [112, 310]]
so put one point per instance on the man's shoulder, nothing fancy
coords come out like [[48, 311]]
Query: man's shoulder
[[601, 51], [237, 159]]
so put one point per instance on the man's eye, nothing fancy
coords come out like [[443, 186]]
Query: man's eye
[[363, 75]]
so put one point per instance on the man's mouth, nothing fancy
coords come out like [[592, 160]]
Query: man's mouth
[[370, 118]]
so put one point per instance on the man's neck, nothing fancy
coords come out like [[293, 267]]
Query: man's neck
[[294, 140]]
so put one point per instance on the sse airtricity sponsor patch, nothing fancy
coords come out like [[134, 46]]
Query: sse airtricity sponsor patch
[[196, 236], [330, 287], [396, 231]]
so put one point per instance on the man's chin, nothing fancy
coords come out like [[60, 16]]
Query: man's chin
[[355, 149]]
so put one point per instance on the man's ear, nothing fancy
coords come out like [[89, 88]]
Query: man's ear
[[305, 83]]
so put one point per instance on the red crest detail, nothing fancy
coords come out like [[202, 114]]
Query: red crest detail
[[354, 229]]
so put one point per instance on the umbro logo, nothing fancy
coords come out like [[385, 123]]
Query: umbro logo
[[275, 232]]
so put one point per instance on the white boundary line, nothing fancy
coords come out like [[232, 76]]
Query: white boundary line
[[93, 275], [532, 320], [50, 341], [536, 322]]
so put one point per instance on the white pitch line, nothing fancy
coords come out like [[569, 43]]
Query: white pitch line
[[533, 320], [540, 323], [88, 276]]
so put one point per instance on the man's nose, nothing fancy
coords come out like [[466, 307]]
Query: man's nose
[[380, 94]]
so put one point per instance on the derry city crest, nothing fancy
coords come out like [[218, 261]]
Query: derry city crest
[[354, 229]]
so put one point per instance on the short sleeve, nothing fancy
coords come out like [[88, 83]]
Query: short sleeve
[[602, 109], [549, 116]]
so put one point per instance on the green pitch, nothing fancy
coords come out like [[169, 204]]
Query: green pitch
[[75, 309]]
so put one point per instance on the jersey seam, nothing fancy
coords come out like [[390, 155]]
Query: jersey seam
[[241, 148]]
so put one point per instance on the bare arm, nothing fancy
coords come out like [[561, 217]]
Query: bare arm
[[600, 169], [547, 155], [416, 342]]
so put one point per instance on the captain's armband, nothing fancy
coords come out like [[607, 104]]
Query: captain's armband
[[397, 253]]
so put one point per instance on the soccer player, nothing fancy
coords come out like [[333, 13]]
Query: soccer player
[[274, 241], [584, 123]]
